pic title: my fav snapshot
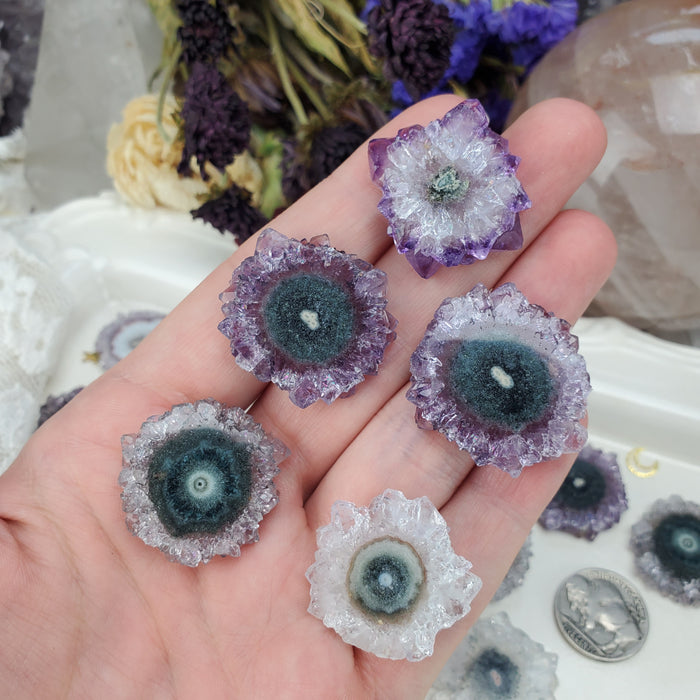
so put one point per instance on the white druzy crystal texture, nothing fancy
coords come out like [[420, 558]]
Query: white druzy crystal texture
[[449, 190], [449, 586]]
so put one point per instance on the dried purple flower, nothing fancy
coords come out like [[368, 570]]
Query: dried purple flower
[[307, 317], [197, 481], [532, 28], [502, 378], [333, 145], [414, 37], [472, 35], [666, 546], [304, 165], [516, 574], [386, 578], [497, 660], [449, 190], [206, 33], [591, 499], [118, 338], [53, 404], [233, 212], [216, 121]]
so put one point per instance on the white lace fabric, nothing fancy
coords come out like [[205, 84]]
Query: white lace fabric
[[34, 307]]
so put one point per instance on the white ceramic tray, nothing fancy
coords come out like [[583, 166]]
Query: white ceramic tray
[[122, 259], [646, 395]]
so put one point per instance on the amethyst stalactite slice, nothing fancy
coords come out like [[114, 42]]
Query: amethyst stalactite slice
[[197, 480], [449, 190], [666, 547], [497, 660], [118, 338], [591, 499], [386, 577], [307, 317], [501, 378]]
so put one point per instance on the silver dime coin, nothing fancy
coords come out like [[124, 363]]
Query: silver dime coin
[[601, 614]]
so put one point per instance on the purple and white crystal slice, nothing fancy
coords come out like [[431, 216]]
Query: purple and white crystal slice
[[307, 317], [516, 573], [666, 546], [119, 337], [501, 378], [497, 660], [197, 480], [386, 577], [591, 499], [449, 190], [54, 404]]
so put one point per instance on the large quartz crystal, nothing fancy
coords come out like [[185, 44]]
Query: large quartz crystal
[[637, 66]]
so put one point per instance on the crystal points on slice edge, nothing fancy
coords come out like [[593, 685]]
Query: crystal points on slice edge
[[666, 547], [494, 422], [393, 526], [207, 533], [591, 499], [307, 317], [449, 190]]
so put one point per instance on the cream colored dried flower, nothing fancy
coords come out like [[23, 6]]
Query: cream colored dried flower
[[143, 165]]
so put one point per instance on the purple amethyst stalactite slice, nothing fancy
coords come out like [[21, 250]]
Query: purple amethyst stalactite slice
[[591, 499], [307, 317], [197, 480], [502, 378], [449, 190], [666, 547], [118, 338]]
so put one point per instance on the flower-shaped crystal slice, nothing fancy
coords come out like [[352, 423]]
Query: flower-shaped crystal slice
[[666, 546], [118, 338], [592, 497], [502, 378], [497, 660], [307, 317], [197, 480], [516, 574], [386, 578], [54, 404], [449, 190]]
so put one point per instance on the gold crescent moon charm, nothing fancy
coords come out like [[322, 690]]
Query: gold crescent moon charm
[[643, 471]]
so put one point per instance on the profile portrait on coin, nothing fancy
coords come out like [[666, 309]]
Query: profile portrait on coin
[[602, 615]]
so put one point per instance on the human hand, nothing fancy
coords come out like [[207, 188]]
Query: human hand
[[88, 610]]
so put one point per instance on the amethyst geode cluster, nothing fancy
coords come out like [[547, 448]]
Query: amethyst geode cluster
[[502, 378], [307, 317], [449, 190]]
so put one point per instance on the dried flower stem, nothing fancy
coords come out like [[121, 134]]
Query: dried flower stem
[[170, 69], [313, 96], [285, 79]]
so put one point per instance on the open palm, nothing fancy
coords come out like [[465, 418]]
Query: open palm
[[88, 610]]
